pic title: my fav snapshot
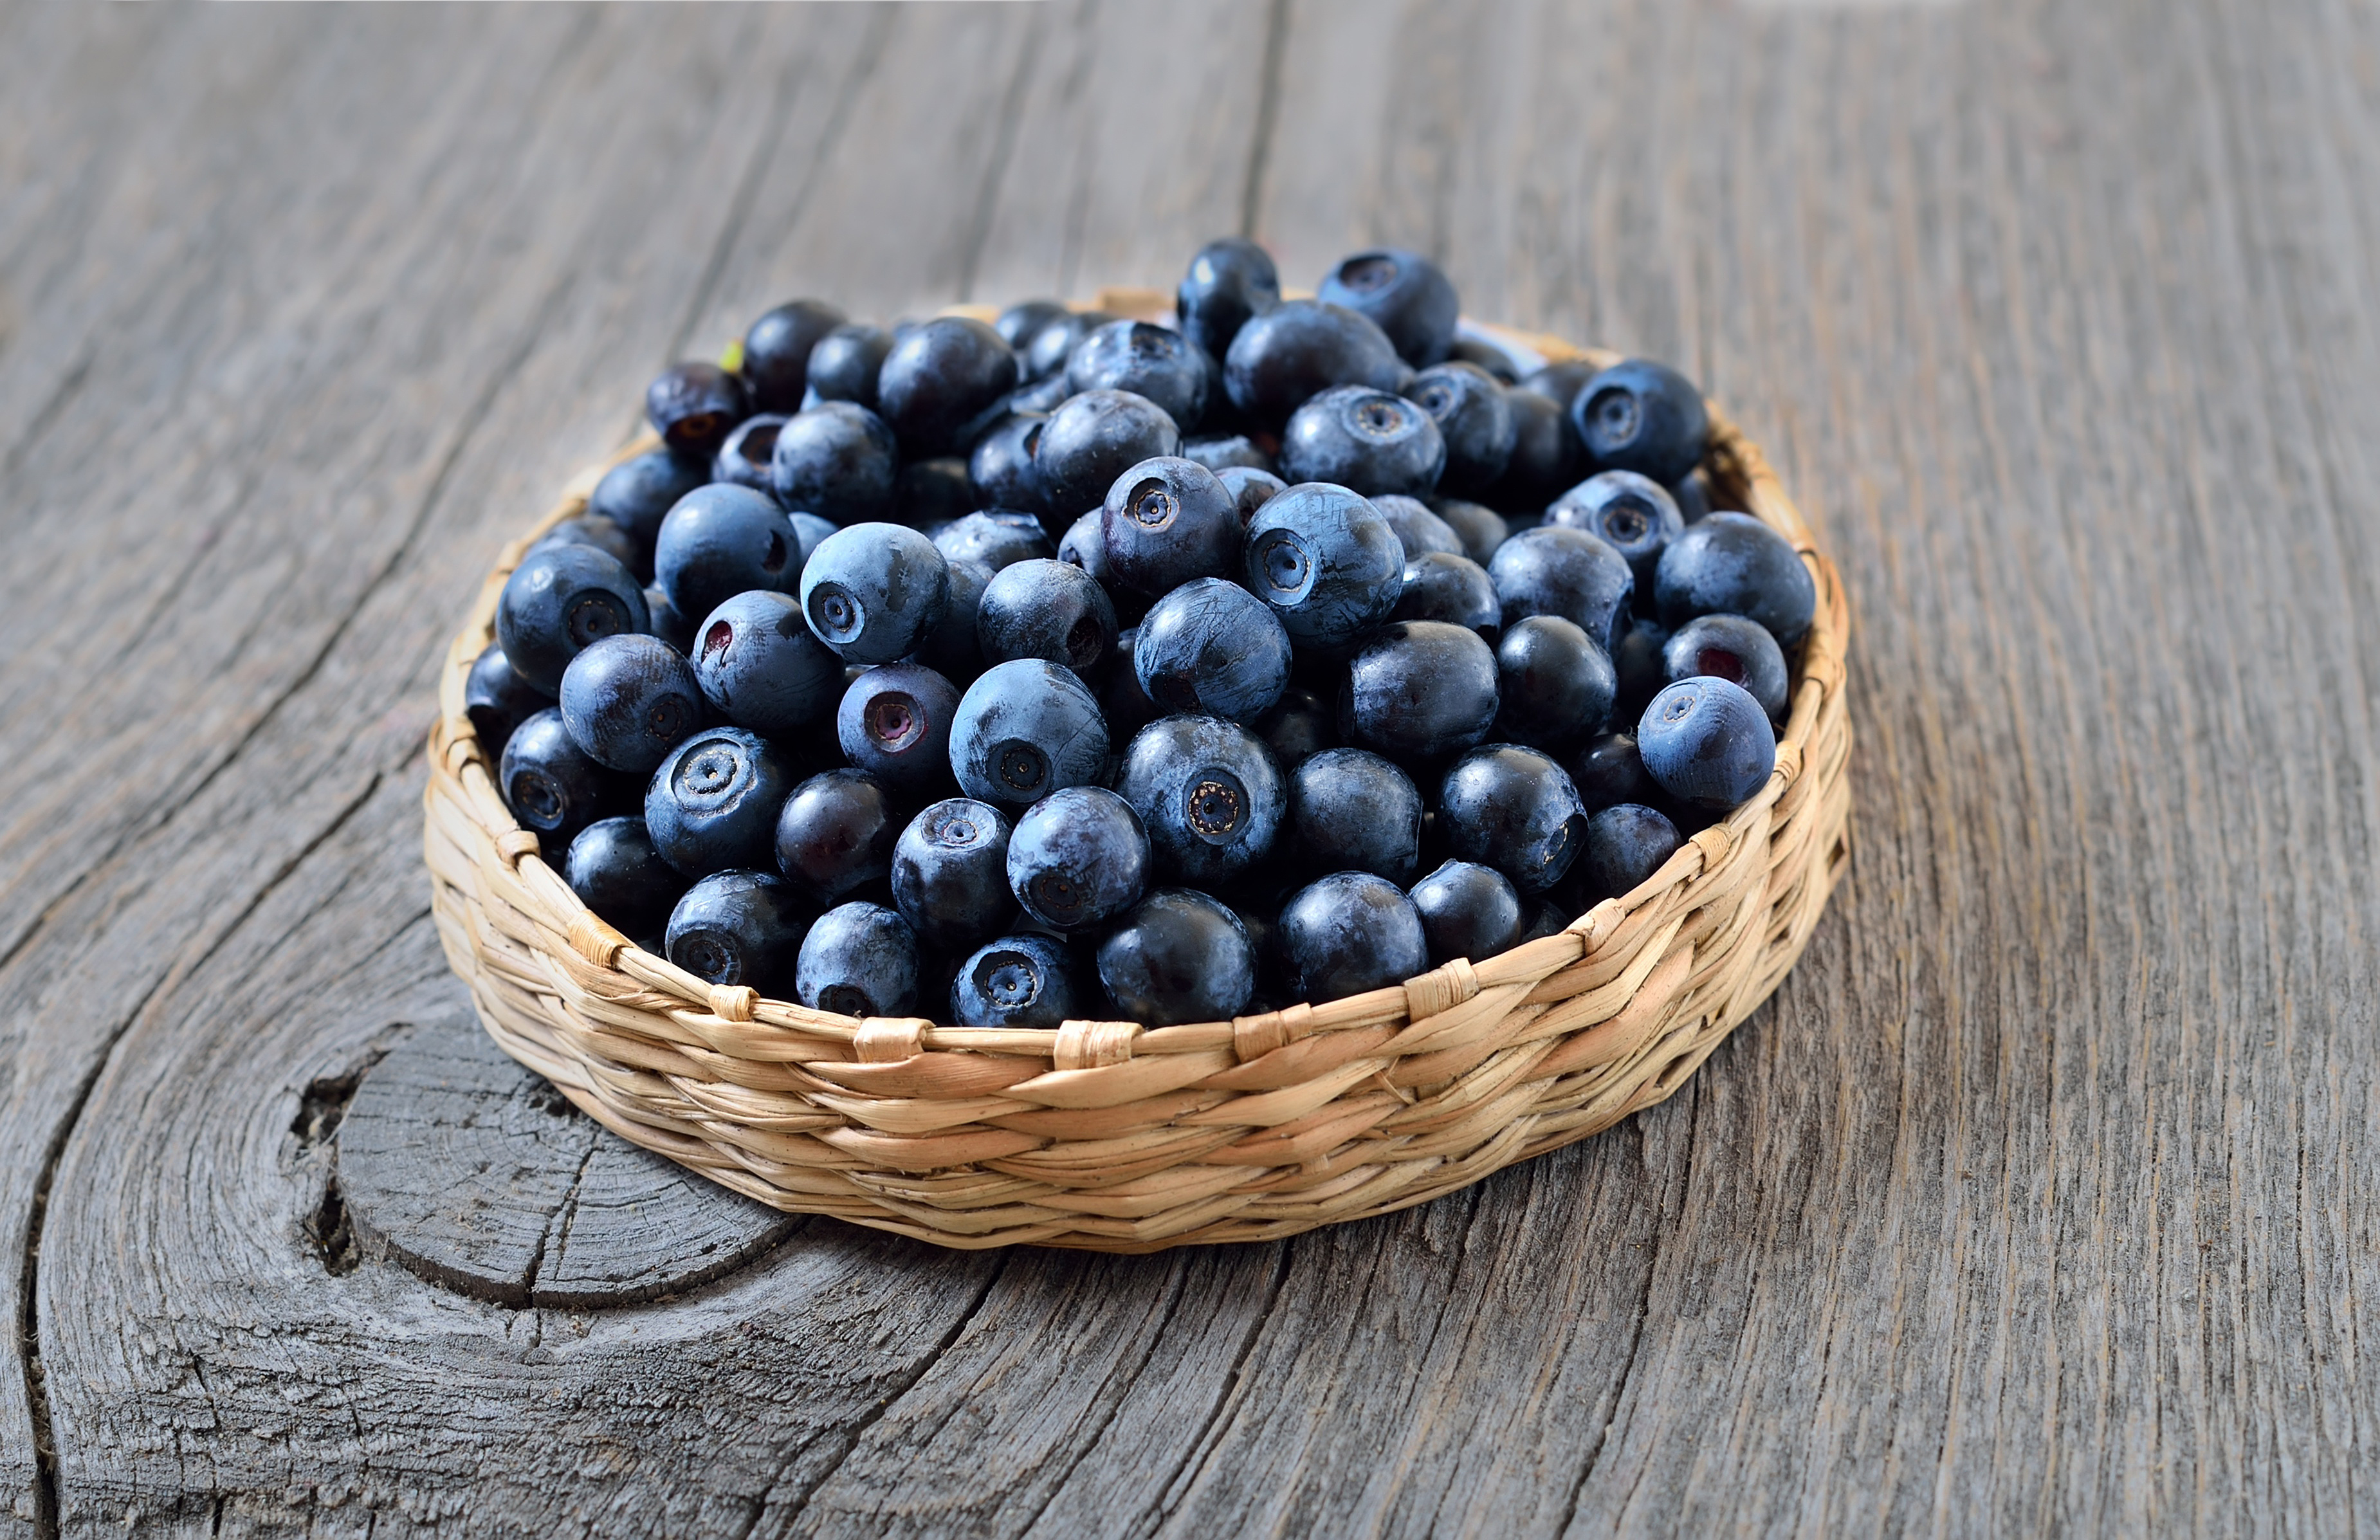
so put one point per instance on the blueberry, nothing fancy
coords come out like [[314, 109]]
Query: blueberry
[[666, 622], [693, 405], [1638, 663], [1707, 742], [808, 530], [760, 667], [628, 700], [1513, 809], [1487, 356], [740, 927], [547, 781], [1626, 843], [1085, 545], [1643, 417], [836, 460], [930, 493], [1567, 573], [940, 381], [845, 364], [1609, 772], [1167, 521], [497, 700], [638, 492], [1301, 347], [1547, 455], [595, 530], [1692, 495], [1077, 858], [558, 602], [1468, 911], [1555, 684], [950, 647], [1366, 439], [1178, 957], [1095, 437], [1229, 281], [1251, 489], [859, 960], [1221, 454], [1420, 691], [1208, 794], [777, 348], [1020, 324], [721, 540], [950, 873], [1733, 649], [1405, 293], [1048, 610], [713, 803], [1212, 647], [894, 722], [873, 591], [1039, 398], [1417, 530], [744, 455], [1559, 381], [1016, 981], [1732, 564], [1468, 407], [1001, 465], [1633, 514], [1452, 589], [1151, 361], [1350, 810], [1023, 729], [1046, 356], [1547, 917], [1480, 529], [1326, 562], [1124, 704], [616, 871], [835, 834], [1348, 933], [1301, 726], [998, 538]]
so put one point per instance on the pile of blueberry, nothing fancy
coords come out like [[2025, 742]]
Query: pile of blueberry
[[1078, 666]]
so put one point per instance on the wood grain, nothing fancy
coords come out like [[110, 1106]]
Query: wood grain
[[2045, 1196]]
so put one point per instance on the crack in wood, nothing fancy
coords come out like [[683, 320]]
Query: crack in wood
[[1267, 117]]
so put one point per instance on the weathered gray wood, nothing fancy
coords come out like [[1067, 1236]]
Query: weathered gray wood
[[2042, 1199]]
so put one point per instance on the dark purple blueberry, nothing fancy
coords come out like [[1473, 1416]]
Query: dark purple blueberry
[[835, 833], [1732, 564], [1548, 916], [638, 492], [1020, 324], [950, 873], [845, 364], [1151, 361], [497, 700], [760, 668], [1417, 529], [1349, 933], [1179, 956], [776, 366], [1707, 742], [561, 599], [740, 926], [1555, 684], [1039, 398], [1077, 858], [1643, 417], [616, 871], [1420, 691], [1299, 727], [1299, 349], [996, 536], [1638, 660], [1487, 356], [1559, 381], [598, 531], [547, 781], [940, 382], [1625, 845], [1363, 439], [1733, 649], [894, 722], [1567, 573], [1609, 772], [1046, 356], [1230, 281], [693, 405], [1125, 705], [1694, 496], [1350, 810], [1208, 794], [808, 530], [1095, 437], [873, 591], [930, 493], [721, 540], [1023, 729], [666, 623], [1405, 294], [744, 457], [1212, 647], [950, 647], [1480, 529], [1085, 545], [1048, 610], [1514, 809], [836, 460], [1547, 455], [628, 700], [1166, 522], [713, 803], [1326, 562], [859, 960], [1016, 981], [1218, 455], [1251, 489], [1468, 911], [1468, 407], [1001, 465], [1633, 514], [1452, 588]]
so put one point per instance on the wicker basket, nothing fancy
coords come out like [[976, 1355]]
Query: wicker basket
[[1110, 1136]]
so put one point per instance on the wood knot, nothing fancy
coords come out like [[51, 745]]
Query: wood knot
[[889, 1039], [596, 941], [733, 1002], [514, 844], [1088, 1045], [1253, 1036], [1439, 989]]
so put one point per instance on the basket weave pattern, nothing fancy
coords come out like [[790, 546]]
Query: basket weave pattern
[[1112, 1136]]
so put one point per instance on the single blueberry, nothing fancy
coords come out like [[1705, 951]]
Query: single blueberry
[[602, 533], [1046, 357], [1001, 465], [1468, 911], [777, 347], [1167, 521], [1632, 514], [1626, 843], [1179, 956], [1302, 726], [808, 530], [1350, 810], [996, 536], [950, 873], [1212, 647], [845, 364], [638, 492], [1165, 367], [930, 493], [859, 960], [1452, 589], [1045, 609], [1556, 684], [1021, 323], [1609, 772], [1016, 981], [1326, 562], [1707, 742], [1468, 407], [1230, 281], [713, 803], [939, 380], [628, 700], [497, 700], [740, 927], [894, 722], [1038, 399], [1420, 691], [1085, 545], [1125, 705], [1480, 529], [721, 540], [950, 648], [1417, 529], [760, 668], [1093, 439], [561, 599], [1208, 794], [1405, 293], [835, 833], [663, 618], [1023, 729], [1643, 417], [1642, 673], [1694, 495], [1077, 858], [550, 784], [746, 453], [1514, 809], [1301, 347], [1251, 489], [693, 405], [1486, 357], [1547, 455], [1366, 439], [616, 871], [1733, 649], [872, 592], [1349, 933], [1567, 573], [836, 460], [1559, 381], [1222, 454], [1732, 564]]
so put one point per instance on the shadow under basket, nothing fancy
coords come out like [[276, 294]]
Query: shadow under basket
[[1110, 1136]]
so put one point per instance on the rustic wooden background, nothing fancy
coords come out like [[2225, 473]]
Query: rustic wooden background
[[2045, 1195]]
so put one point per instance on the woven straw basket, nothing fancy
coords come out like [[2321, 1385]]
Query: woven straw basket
[[1114, 1138]]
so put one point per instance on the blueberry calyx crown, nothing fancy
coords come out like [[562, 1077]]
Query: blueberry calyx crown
[[711, 772], [1281, 557], [1021, 767], [1216, 804], [836, 613], [894, 721], [594, 614], [1008, 978]]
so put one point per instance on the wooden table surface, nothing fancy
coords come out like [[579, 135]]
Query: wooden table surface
[[2044, 1197]]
